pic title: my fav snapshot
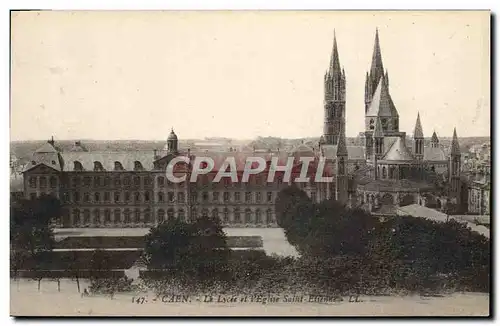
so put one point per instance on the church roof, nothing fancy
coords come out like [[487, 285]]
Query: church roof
[[455, 147], [434, 138], [398, 152], [434, 154], [382, 104], [353, 152]]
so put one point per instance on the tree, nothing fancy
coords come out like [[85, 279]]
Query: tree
[[31, 234], [196, 249]]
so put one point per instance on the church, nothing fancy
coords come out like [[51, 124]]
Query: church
[[129, 189]]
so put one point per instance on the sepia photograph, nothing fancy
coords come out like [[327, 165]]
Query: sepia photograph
[[250, 163]]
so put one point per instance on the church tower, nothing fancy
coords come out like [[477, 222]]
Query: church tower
[[375, 74], [334, 102], [172, 143], [341, 185], [418, 140], [434, 140], [454, 169]]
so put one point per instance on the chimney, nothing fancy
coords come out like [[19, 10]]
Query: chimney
[[51, 141], [155, 154]]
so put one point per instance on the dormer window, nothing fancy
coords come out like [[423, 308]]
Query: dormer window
[[138, 166], [118, 166], [33, 162], [98, 166], [77, 166], [53, 162]]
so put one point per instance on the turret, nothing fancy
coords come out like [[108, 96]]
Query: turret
[[172, 143], [434, 140], [418, 140]]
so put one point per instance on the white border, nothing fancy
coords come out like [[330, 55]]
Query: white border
[[6, 5]]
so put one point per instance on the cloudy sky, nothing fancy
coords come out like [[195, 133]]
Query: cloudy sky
[[134, 75]]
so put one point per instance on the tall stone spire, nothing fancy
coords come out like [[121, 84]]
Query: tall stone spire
[[376, 72], [334, 67], [455, 147], [334, 101], [418, 132]]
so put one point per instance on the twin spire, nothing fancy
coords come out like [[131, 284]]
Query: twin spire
[[334, 68]]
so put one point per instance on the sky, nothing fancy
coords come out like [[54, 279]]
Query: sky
[[135, 75]]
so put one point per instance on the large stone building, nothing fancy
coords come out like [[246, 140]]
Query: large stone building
[[130, 189]]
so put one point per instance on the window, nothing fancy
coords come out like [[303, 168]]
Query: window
[[137, 181], [194, 197], [86, 197], [77, 166], [118, 166], [53, 182], [248, 197], [127, 196], [237, 217], [98, 166], [117, 196], [146, 196], [204, 212], [226, 215], [107, 181], [248, 216], [97, 197], [126, 216], [161, 197], [32, 182], [76, 216], [205, 196], [170, 214], [117, 181], [258, 217], [97, 181], [269, 196], [237, 196], [76, 196], [215, 213], [180, 197], [126, 181], [117, 216], [86, 181], [147, 215], [97, 217], [269, 216], [107, 216], [106, 196], [43, 182], [181, 215], [215, 196], [33, 196], [371, 124], [137, 197], [138, 166], [148, 181], [171, 196], [226, 196], [258, 197], [161, 181], [137, 216], [160, 217], [86, 217]]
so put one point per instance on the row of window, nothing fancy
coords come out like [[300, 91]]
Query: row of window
[[42, 182], [172, 197], [137, 216]]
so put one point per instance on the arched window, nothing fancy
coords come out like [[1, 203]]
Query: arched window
[[170, 214], [98, 166], [138, 166], [77, 166], [248, 216], [237, 217], [372, 124], [160, 217], [118, 166]]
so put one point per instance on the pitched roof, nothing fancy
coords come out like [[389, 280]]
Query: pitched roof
[[46, 148], [382, 104], [398, 152], [418, 132], [353, 152]]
